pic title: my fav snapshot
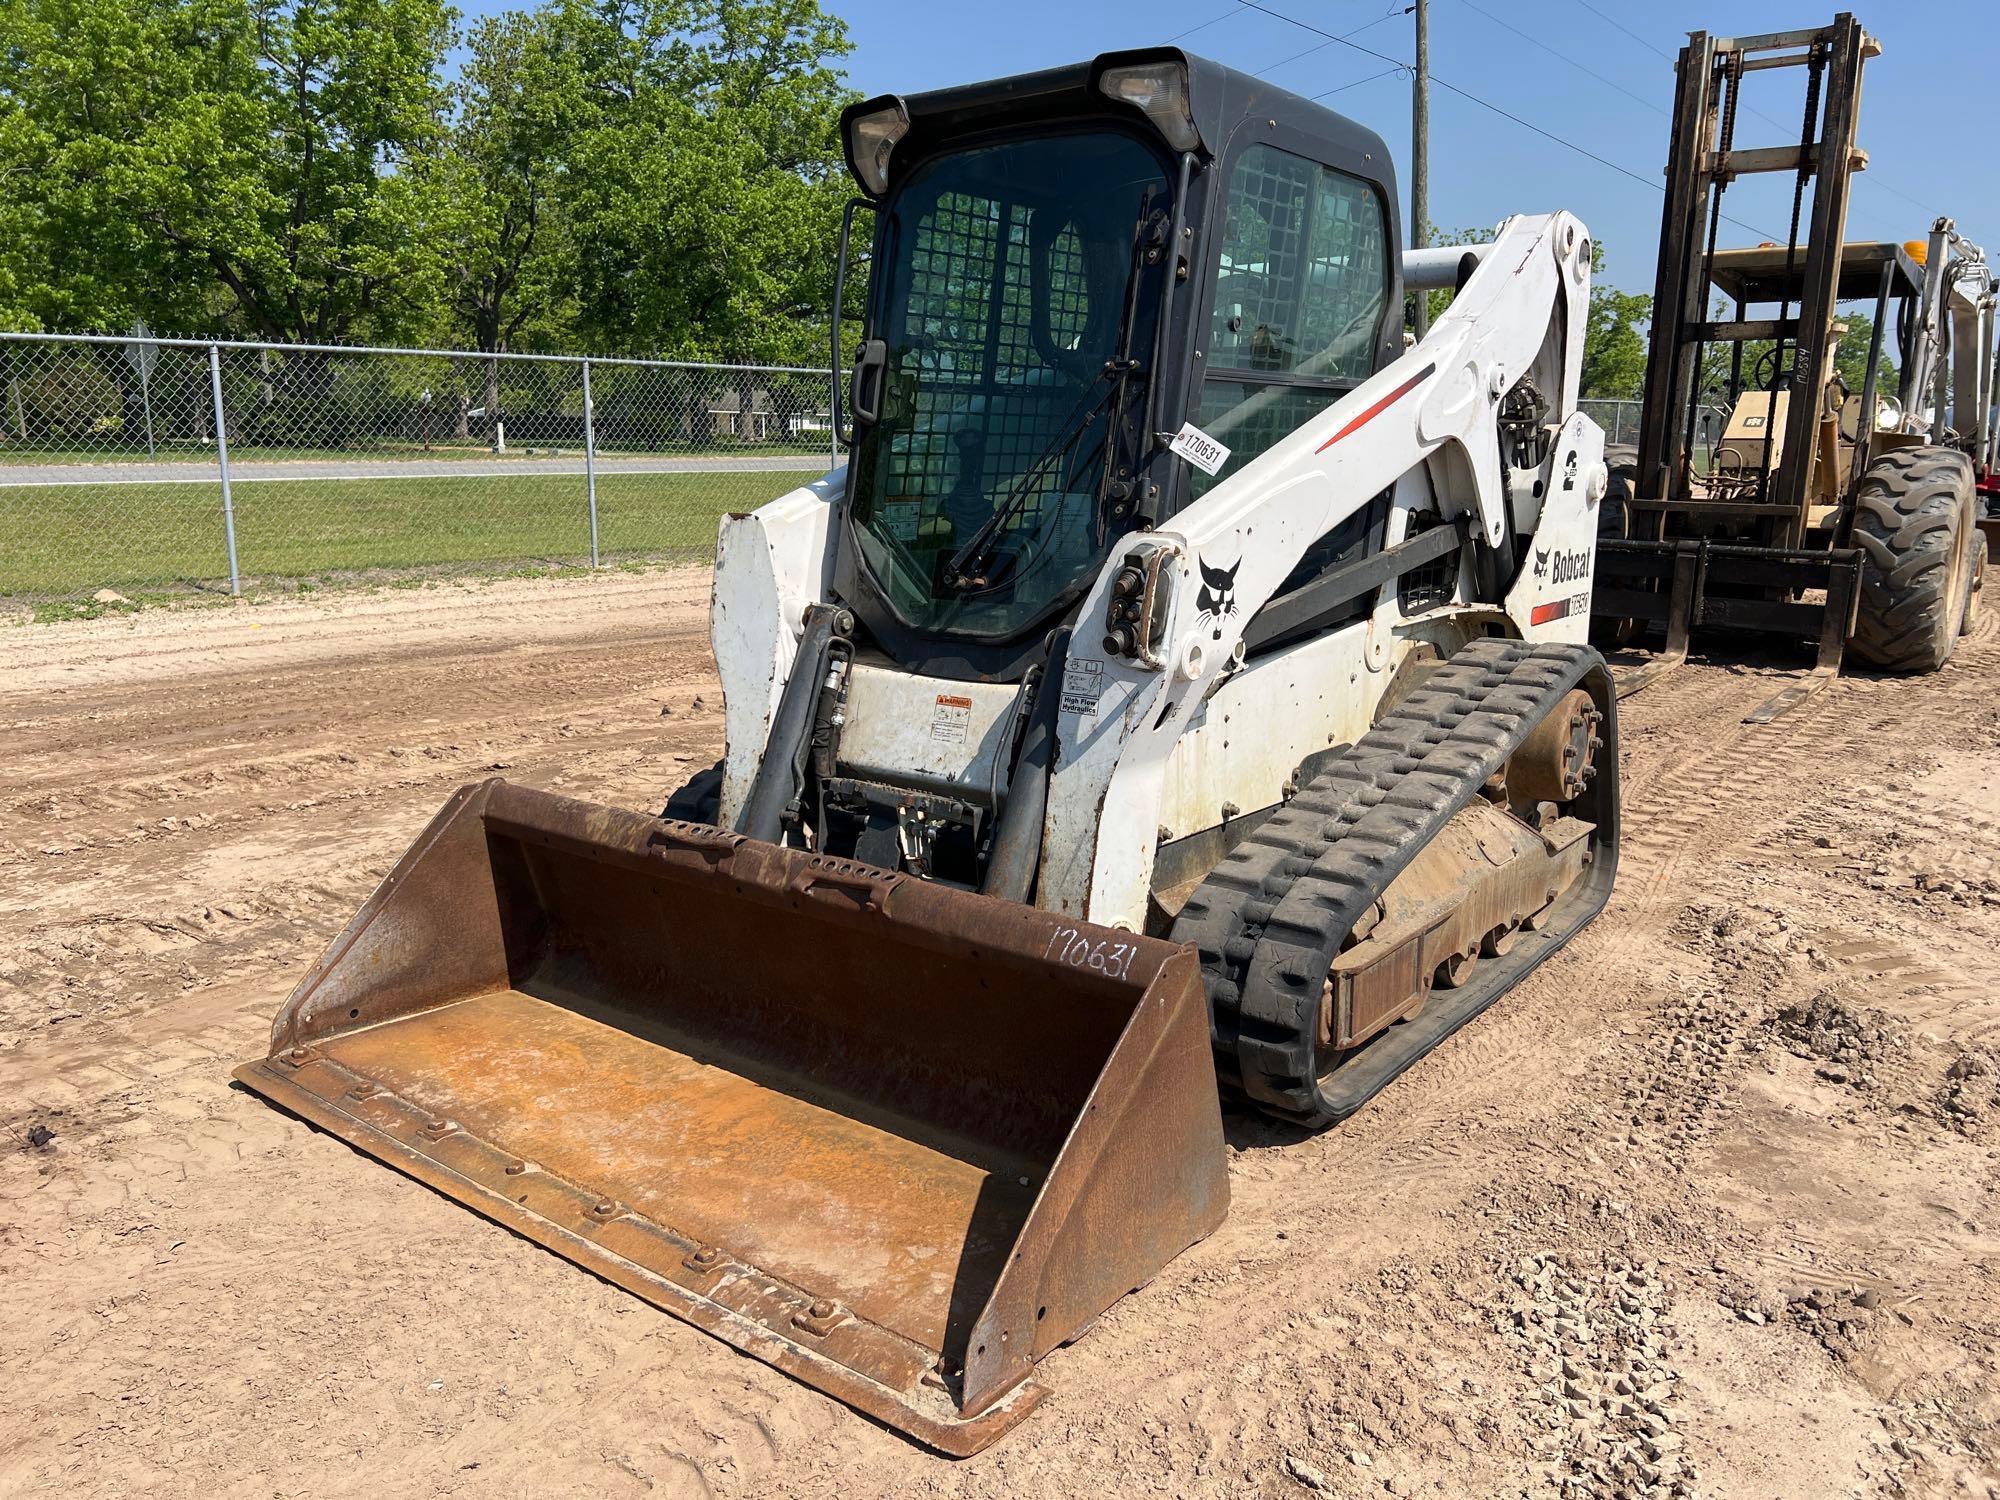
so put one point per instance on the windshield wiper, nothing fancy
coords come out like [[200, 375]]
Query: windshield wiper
[[969, 566]]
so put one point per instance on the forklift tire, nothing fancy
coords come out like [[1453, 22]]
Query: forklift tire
[[1968, 620], [699, 800], [1913, 524], [1614, 523]]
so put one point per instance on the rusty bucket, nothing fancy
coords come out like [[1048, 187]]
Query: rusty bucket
[[895, 1139]]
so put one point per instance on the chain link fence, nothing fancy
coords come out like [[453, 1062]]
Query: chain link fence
[[1620, 420], [146, 467]]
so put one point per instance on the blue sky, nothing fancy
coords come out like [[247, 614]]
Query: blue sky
[[1933, 146]]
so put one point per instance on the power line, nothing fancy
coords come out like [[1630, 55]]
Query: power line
[[1866, 181], [1343, 88], [1486, 104], [1401, 10], [1862, 178], [1621, 26], [1316, 31], [1535, 41], [1641, 99], [1212, 21]]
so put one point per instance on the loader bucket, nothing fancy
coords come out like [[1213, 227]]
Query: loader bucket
[[896, 1139]]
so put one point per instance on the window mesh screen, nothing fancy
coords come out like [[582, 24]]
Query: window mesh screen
[[993, 311], [1301, 286], [1247, 419], [951, 275], [1007, 273], [1302, 280]]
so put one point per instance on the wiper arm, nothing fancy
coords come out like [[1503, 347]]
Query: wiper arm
[[967, 569]]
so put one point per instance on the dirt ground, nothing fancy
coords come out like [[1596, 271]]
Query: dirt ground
[[1710, 1206]]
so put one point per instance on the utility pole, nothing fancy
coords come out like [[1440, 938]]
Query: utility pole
[[1420, 150]]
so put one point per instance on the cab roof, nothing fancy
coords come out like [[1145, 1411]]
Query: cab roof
[[1220, 100]]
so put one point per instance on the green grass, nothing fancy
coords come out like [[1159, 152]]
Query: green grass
[[68, 541], [185, 451]]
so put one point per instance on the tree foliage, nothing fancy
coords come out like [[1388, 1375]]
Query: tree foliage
[[1614, 343], [493, 205], [708, 188], [196, 160], [613, 173]]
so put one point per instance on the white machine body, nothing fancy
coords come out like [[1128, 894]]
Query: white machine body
[[1197, 732]]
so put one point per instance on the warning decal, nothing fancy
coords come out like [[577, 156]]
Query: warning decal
[[951, 719]]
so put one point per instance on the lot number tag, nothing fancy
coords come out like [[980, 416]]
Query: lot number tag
[[1199, 449]]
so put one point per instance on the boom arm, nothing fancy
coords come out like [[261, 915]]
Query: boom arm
[[1951, 355], [1428, 426]]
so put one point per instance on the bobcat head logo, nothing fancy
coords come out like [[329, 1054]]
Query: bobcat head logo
[[1216, 598], [1541, 562]]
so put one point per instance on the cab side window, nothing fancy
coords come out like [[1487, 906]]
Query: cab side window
[[1301, 287]]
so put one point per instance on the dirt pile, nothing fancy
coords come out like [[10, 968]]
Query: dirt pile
[[1848, 1046], [1598, 1339], [1970, 1098]]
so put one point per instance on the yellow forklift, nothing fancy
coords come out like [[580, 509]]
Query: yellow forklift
[[1848, 518]]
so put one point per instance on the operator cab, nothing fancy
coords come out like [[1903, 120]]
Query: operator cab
[[1066, 267]]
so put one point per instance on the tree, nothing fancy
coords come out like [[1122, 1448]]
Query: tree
[[706, 193], [490, 195], [626, 174], [168, 148], [489, 198], [102, 101], [1614, 343]]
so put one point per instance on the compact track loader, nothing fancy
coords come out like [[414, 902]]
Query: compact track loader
[[1184, 681]]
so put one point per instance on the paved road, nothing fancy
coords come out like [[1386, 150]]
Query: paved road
[[398, 468]]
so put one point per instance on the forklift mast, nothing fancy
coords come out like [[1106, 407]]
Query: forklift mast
[[1704, 159]]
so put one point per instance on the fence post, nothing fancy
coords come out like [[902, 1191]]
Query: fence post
[[590, 460], [222, 462]]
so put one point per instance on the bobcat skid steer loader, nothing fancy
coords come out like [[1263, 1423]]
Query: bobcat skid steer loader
[[1183, 681]]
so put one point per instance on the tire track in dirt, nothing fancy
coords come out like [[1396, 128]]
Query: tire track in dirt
[[1346, 1305], [1721, 786]]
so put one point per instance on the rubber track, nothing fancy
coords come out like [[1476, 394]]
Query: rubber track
[[1271, 917]]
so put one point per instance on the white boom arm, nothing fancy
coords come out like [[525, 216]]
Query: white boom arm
[[1425, 426], [1955, 313]]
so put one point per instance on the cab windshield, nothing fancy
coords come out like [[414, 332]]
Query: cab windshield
[[1008, 272]]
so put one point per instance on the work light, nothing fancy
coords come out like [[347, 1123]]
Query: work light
[[1161, 90], [870, 139]]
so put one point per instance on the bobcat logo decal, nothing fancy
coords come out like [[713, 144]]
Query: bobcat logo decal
[[1570, 566], [1216, 598]]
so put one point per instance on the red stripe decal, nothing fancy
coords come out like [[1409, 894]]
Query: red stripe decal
[[1380, 406], [1562, 609]]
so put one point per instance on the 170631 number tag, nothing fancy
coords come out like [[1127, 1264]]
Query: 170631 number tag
[[1106, 956], [1199, 449]]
